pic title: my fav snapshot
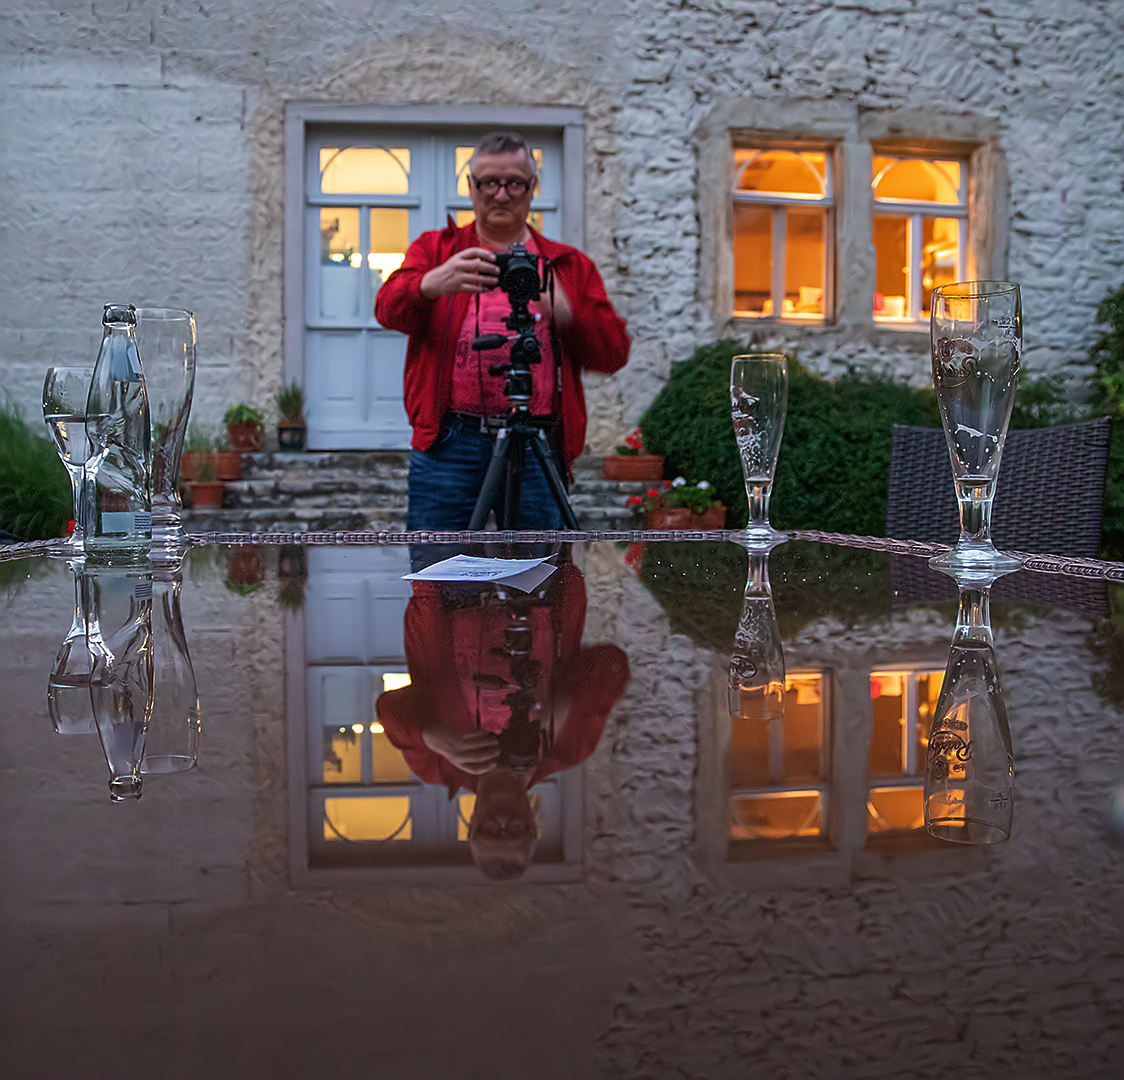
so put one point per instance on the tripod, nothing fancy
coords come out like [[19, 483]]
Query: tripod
[[509, 457]]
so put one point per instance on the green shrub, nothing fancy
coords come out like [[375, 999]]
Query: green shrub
[[35, 495], [1108, 400], [834, 465]]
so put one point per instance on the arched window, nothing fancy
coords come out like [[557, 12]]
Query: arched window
[[782, 233], [920, 232]]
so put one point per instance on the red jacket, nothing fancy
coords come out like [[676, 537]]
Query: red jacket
[[595, 340], [593, 678]]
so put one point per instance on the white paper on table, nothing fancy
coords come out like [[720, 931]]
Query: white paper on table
[[526, 575]]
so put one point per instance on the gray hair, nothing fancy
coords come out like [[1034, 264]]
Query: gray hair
[[503, 142]]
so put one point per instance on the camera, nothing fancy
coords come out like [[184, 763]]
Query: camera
[[519, 274]]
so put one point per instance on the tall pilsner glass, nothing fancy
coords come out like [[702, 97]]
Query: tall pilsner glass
[[166, 342], [977, 345], [759, 404], [65, 390]]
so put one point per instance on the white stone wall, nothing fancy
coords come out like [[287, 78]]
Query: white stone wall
[[138, 154]]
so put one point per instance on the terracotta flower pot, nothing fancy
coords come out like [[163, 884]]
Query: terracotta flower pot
[[206, 493], [247, 566], [187, 464], [246, 435], [681, 517], [290, 436], [634, 467], [228, 464]]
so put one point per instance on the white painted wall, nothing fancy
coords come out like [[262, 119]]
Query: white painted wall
[[140, 152]]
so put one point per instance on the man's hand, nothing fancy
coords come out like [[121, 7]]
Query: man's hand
[[563, 313], [475, 752], [473, 270]]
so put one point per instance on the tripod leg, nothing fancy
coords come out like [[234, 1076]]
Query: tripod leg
[[492, 480], [513, 487], [542, 450]]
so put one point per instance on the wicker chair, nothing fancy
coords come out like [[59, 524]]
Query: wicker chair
[[1048, 499]]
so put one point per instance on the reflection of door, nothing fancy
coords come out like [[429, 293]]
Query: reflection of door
[[370, 191]]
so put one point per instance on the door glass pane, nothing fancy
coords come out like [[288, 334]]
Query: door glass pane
[[340, 262], [915, 180], [940, 256], [364, 169], [805, 259], [891, 250], [753, 260], [388, 766], [895, 809], [390, 236], [376, 817], [781, 172]]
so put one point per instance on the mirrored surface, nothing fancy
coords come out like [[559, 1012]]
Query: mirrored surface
[[661, 816]]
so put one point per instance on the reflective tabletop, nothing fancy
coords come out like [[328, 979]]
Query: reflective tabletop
[[272, 809]]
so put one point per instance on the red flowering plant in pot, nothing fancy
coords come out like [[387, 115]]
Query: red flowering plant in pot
[[631, 463], [679, 505]]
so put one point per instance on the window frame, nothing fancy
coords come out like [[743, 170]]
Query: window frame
[[914, 212], [780, 205]]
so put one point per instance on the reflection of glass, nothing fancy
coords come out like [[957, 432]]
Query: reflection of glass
[[976, 349], [759, 403], [166, 339], [119, 635], [757, 663], [969, 764], [172, 740], [68, 686], [65, 391]]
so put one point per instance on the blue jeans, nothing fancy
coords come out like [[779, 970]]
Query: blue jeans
[[446, 479]]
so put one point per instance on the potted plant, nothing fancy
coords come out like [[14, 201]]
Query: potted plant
[[291, 427], [679, 505], [245, 572], [228, 461], [629, 462], [205, 487], [244, 427]]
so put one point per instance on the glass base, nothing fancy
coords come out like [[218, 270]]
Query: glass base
[[758, 537], [167, 763], [69, 547], [968, 831], [982, 559]]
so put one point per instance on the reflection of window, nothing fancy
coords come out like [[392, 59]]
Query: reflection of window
[[903, 703], [920, 231], [782, 233], [778, 768]]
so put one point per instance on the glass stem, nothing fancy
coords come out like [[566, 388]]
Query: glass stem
[[975, 498], [973, 616], [78, 493], [758, 493]]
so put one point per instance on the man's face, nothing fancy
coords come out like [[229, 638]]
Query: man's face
[[501, 213]]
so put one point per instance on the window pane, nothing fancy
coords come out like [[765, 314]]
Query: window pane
[[388, 766], [368, 818], [916, 180], [753, 260], [343, 762], [940, 256], [805, 257], [776, 816], [390, 236], [892, 809], [887, 692], [340, 260], [891, 247], [781, 172], [803, 728], [373, 169]]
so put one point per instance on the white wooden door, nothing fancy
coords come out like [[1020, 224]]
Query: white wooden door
[[370, 192]]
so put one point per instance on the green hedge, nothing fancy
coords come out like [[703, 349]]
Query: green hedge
[[35, 495], [834, 464]]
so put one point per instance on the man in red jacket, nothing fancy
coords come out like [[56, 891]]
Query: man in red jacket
[[443, 290]]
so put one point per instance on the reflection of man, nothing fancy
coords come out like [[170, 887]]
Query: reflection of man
[[454, 404], [501, 695]]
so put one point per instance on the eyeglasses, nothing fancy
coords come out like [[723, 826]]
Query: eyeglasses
[[515, 186]]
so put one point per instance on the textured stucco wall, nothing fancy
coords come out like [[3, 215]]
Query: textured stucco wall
[[141, 152]]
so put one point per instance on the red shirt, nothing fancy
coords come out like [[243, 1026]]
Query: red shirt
[[596, 339]]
